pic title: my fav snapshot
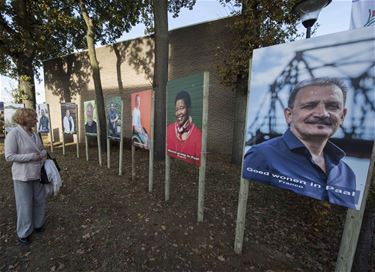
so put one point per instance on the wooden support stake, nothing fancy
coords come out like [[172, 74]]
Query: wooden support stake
[[77, 134], [120, 158], [51, 139], [352, 227], [63, 142], [99, 150], [87, 148], [98, 136], [151, 151], [167, 175], [121, 140], [133, 162], [77, 145], [244, 190], [241, 215], [50, 129], [108, 153], [202, 168]]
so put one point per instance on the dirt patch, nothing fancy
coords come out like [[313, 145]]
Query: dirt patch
[[104, 222]]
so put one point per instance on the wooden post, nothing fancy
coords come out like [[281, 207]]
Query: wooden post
[[352, 227], [86, 142], [50, 129], [151, 151], [108, 153], [99, 150], [98, 134], [202, 168], [63, 142], [51, 138], [77, 133], [244, 189], [167, 175], [87, 148], [121, 140], [77, 145], [241, 214], [167, 163], [133, 161]]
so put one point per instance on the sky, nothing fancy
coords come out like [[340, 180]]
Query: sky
[[327, 55], [333, 18]]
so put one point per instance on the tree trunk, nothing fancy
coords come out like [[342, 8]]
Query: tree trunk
[[118, 66], [241, 90], [90, 38], [26, 85], [24, 61], [160, 74], [239, 120]]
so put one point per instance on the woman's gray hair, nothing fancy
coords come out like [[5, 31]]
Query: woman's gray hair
[[22, 115]]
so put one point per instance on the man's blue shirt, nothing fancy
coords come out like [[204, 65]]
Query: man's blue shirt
[[286, 163]]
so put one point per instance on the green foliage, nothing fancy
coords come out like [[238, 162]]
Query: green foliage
[[31, 31], [110, 19], [19, 95], [260, 23]]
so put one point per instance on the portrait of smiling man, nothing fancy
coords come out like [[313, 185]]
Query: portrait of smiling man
[[303, 159], [90, 125]]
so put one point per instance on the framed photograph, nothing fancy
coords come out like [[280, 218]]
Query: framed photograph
[[9, 110], [90, 117], [184, 118], [310, 124], [43, 125], [114, 117], [141, 118], [69, 118]]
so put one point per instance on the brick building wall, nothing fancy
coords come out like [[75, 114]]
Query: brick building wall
[[127, 67]]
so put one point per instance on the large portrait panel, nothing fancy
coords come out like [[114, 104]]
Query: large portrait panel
[[114, 117], [141, 118], [69, 118], [90, 117], [9, 110], [43, 125], [184, 118], [310, 118]]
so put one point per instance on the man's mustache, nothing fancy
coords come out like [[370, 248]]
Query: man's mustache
[[320, 121]]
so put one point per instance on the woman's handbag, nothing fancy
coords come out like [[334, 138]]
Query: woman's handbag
[[54, 161], [43, 174]]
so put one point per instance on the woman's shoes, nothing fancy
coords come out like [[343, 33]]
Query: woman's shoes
[[24, 241], [39, 230]]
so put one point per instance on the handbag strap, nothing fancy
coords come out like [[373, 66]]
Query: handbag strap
[[41, 139]]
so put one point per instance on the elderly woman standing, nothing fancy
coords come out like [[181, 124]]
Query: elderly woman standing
[[25, 150]]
